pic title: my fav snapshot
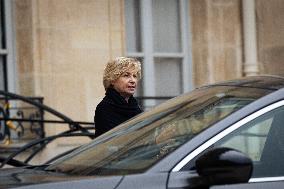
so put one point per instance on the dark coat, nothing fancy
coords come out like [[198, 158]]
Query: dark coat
[[113, 110]]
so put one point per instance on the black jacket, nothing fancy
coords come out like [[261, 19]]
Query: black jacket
[[113, 110]]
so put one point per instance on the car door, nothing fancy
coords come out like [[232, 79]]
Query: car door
[[260, 135]]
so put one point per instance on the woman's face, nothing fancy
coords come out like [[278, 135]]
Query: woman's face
[[126, 84]]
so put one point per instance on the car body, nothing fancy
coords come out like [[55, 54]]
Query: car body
[[210, 136]]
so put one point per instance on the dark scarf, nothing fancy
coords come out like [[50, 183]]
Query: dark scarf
[[119, 104], [113, 110]]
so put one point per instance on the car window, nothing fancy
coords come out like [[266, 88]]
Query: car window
[[262, 139]]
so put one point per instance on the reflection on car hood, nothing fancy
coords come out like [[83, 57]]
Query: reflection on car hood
[[16, 177]]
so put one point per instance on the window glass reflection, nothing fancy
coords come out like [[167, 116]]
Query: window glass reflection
[[166, 26]]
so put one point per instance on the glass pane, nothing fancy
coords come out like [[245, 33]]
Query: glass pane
[[1, 73], [263, 141], [2, 37], [132, 19], [251, 140], [168, 76], [166, 26]]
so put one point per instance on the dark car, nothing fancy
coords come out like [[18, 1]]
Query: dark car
[[226, 133]]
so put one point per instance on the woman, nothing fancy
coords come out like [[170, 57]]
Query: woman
[[120, 81]]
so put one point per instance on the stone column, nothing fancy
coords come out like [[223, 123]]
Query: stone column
[[250, 43]]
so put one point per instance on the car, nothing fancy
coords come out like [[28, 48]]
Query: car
[[224, 135]]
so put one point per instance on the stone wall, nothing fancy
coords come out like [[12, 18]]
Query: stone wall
[[216, 40], [270, 31], [62, 48]]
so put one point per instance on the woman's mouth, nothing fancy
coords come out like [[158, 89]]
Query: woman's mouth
[[131, 87]]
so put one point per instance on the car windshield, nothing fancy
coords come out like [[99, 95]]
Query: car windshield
[[139, 143]]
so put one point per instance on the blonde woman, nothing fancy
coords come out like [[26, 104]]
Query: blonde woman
[[120, 82]]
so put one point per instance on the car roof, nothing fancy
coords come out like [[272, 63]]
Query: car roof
[[263, 82]]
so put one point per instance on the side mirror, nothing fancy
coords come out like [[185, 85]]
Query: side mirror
[[223, 166]]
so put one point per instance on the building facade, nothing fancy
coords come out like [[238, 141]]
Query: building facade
[[58, 49]]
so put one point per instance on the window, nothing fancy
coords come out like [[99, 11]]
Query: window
[[157, 32], [262, 139], [7, 63]]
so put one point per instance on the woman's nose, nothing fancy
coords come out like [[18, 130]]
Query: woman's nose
[[132, 79]]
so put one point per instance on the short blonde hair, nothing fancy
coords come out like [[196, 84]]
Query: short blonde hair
[[115, 68]]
